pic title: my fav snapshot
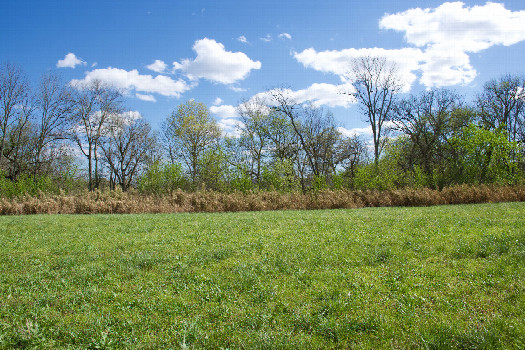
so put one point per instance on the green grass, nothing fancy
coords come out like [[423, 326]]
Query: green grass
[[449, 277]]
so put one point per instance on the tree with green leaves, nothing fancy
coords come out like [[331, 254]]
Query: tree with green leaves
[[189, 132]]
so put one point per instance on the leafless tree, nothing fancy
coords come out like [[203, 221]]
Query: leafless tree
[[376, 83], [429, 120], [126, 145], [320, 136], [94, 103], [500, 105], [53, 108], [254, 141], [15, 105], [316, 135]]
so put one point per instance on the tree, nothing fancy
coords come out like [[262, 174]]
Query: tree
[[189, 132], [15, 107], [254, 139], [429, 120], [53, 106], [486, 156], [376, 82], [94, 103], [321, 138], [126, 145], [500, 105]]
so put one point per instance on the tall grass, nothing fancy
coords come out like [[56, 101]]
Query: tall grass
[[108, 202]]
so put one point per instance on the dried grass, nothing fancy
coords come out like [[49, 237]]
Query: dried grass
[[99, 202]]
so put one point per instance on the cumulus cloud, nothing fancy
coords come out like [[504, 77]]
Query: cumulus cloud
[[242, 39], [443, 38], [318, 94], [285, 36], [70, 61], [216, 64], [158, 66], [366, 131], [340, 62], [147, 98], [217, 101], [133, 81], [224, 111], [470, 29], [230, 126]]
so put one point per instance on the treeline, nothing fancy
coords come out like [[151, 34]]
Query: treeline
[[62, 138]]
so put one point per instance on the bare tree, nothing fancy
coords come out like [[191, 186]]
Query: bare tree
[[189, 132], [126, 145], [376, 82], [254, 140], [429, 120], [94, 102], [53, 107], [500, 105], [285, 103], [320, 136], [15, 104]]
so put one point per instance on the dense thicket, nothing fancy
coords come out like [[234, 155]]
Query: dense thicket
[[56, 137]]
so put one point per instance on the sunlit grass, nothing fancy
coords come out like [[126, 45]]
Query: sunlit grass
[[407, 278]]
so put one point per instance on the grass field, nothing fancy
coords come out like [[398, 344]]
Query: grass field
[[445, 277]]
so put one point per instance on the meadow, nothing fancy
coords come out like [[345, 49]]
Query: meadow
[[441, 277]]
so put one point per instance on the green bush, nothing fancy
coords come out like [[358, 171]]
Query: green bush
[[280, 176], [162, 179], [485, 156], [26, 185]]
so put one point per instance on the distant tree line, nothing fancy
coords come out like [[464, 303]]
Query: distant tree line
[[59, 137]]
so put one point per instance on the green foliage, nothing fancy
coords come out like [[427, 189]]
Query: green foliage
[[485, 156], [213, 168], [279, 176], [383, 175], [240, 181], [162, 179], [26, 185]]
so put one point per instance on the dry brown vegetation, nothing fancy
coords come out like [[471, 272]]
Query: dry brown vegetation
[[98, 202]]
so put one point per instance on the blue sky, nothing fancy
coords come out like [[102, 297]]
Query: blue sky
[[163, 53]]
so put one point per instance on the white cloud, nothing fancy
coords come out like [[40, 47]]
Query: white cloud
[[224, 111], [285, 36], [216, 64], [451, 31], [446, 67], [242, 39], [132, 80], [267, 38], [148, 98], [129, 117], [230, 126], [367, 131], [340, 62], [469, 29], [325, 95], [443, 37], [318, 94], [70, 61], [158, 66], [217, 101]]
